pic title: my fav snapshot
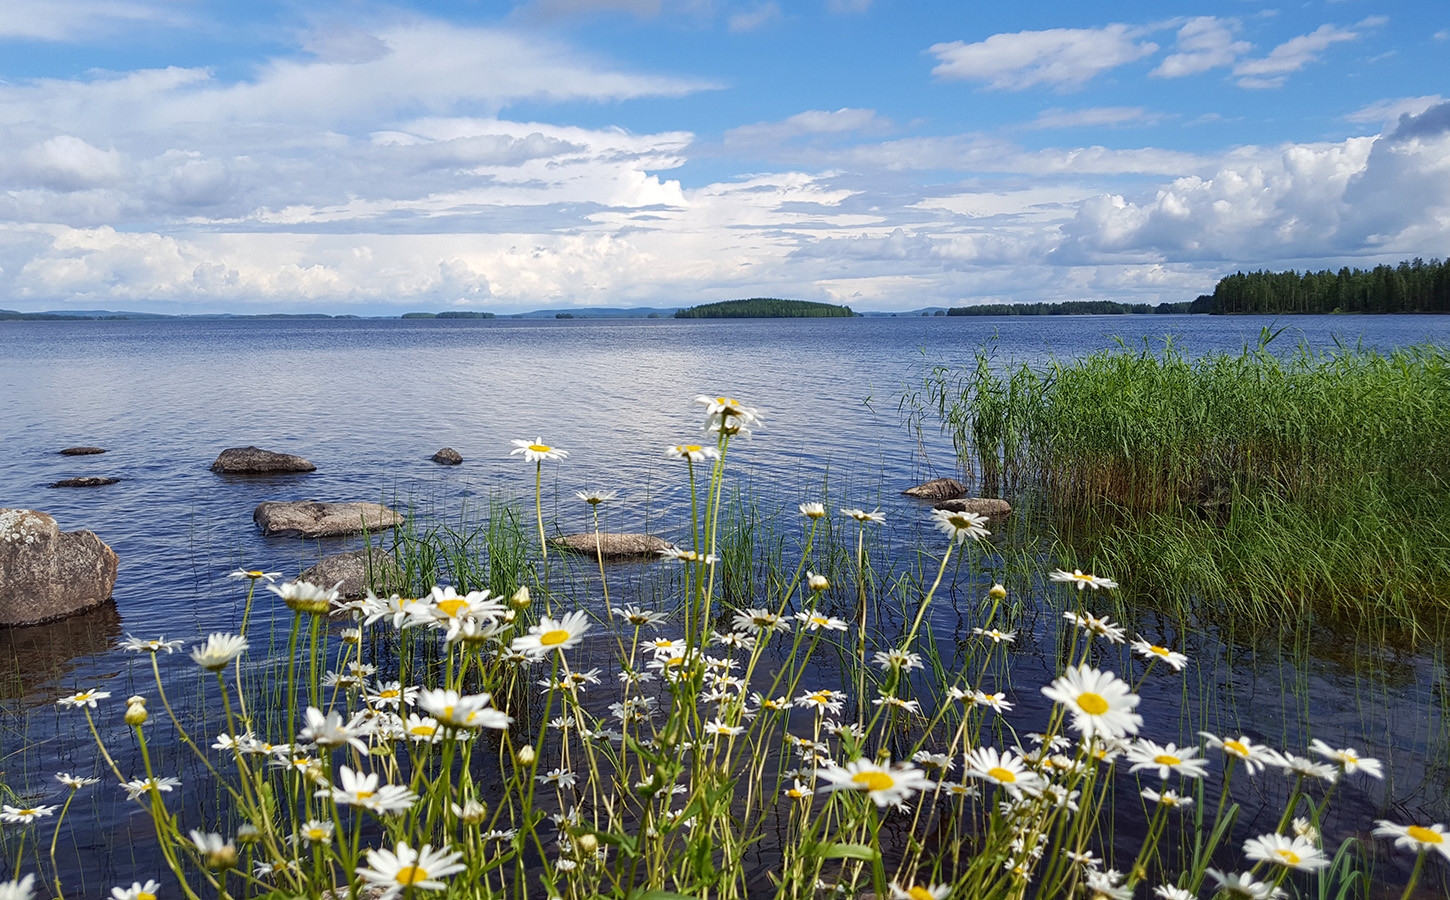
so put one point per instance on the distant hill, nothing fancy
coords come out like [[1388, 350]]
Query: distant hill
[[766, 308], [1069, 308]]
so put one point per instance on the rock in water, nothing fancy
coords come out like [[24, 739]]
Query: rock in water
[[937, 489], [349, 571], [977, 506], [81, 451], [88, 481], [448, 457], [310, 519], [254, 460], [47, 574], [614, 546]]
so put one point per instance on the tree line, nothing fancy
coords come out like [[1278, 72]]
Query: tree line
[[1414, 286], [1067, 308], [764, 308]]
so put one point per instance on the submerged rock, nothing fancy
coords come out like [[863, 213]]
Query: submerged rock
[[254, 460], [613, 545], [47, 574], [88, 481], [311, 519], [349, 571], [977, 506], [448, 457], [82, 451], [937, 489]]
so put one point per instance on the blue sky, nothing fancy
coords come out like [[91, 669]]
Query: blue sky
[[375, 158]]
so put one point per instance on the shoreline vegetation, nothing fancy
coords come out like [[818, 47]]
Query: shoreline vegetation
[[766, 308]]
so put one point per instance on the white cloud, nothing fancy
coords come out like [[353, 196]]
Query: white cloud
[[757, 16], [805, 124], [72, 20], [1386, 112], [1290, 56], [1093, 116], [1203, 43], [1063, 58], [66, 163]]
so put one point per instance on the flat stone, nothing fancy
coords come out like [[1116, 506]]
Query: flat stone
[[88, 481], [349, 571], [82, 451], [937, 489], [311, 519], [47, 574], [447, 457], [254, 460], [613, 545], [977, 506]]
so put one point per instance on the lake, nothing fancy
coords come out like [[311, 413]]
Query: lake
[[369, 401]]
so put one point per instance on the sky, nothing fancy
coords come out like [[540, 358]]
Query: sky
[[367, 158]]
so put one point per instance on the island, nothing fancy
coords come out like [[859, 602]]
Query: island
[[766, 308]]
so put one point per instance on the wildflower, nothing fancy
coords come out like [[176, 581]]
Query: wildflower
[[1082, 581], [798, 790], [1100, 702], [463, 711], [689, 556], [1004, 769], [139, 786], [1086, 859], [1106, 885], [997, 591], [472, 812], [817, 583], [553, 635], [911, 706], [716, 726], [391, 694], [328, 730], [814, 620], [84, 698], [939, 761], [1155, 652], [594, 498], [1349, 760], [1254, 756], [887, 784], [727, 415], [733, 639], [218, 650], [255, 575], [560, 778], [75, 782], [1170, 799], [137, 891], [691, 453], [822, 700], [1301, 827], [1304, 767], [813, 510], [917, 892], [216, 851], [316, 831], [537, 451], [757, 621], [962, 790], [403, 868], [306, 597], [1100, 627], [998, 702], [639, 618], [996, 636], [897, 658], [445, 604], [135, 711], [876, 517], [959, 526], [363, 790], [1243, 886], [154, 645], [17, 889], [1296, 852], [1166, 758], [1169, 892], [1415, 837], [16, 815]]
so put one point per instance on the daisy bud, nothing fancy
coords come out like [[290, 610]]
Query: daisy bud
[[587, 843], [248, 834], [520, 599], [817, 583], [997, 592], [525, 755], [136, 711]]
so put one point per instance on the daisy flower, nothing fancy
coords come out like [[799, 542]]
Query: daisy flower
[[328, 730], [1100, 627], [17, 889], [1305, 767], [306, 597], [689, 556], [1415, 837], [363, 790], [84, 698], [728, 415], [75, 782], [919, 892], [813, 510], [814, 620], [219, 650], [17, 815], [817, 583], [463, 710], [1254, 756], [1243, 886], [1171, 799], [1004, 769], [139, 786], [536, 451], [898, 658], [1166, 758], [996, 636], [137, 891], [959, 526], [716, 726], [216, 851], [756, 620], [594, 498], [887, 784], [1296, 852], [1082, 581], [553, 635], [691, 453], [639, 618], [316, 831], [876, 517], [1171, 892], [403, 868], [255, 575], [798, 790], [1100, 702], [1348, 760], [822, 700], [154, 645], [1155, 652]]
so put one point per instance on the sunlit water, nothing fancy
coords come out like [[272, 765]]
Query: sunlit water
[[370, 401]]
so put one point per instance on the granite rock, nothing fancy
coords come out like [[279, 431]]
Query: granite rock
[[937, 489], [254, 460], [47, 574], [613, 545], [311, 519], [978, 506]]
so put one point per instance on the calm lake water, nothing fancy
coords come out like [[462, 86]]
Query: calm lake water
[[370, 401]]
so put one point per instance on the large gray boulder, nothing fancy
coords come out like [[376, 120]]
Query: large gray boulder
[[311, 519], [990, 507], [447, 457], [937, 489], [256, 461], [349, 571], [613, 545], [47, 574]]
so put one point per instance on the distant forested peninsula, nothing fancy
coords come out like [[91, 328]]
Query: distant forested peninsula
[[1415, 286], [1067, 308], [765, 308]]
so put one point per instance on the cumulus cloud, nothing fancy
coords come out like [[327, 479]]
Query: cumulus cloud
[[1203, 43], [1294, 54], [1061, 58], [1388, 111]]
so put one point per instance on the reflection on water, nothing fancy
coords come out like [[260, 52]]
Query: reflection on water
[[38, 658]]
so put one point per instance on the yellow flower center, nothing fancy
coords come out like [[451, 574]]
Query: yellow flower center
[[1236, 747], [1161, 651], [389, 694], [316, 834], [145, 896], [1092, 704], [688, 448], [554, 638], [1289, 857], [448, 712], [423, 730], [364, 795], [540, 448], [1425, 835], [919, 893], [27, 812], [819, 620], [1163, 759], [451, 606], [1003, 775], [411, 875], [874, 781]]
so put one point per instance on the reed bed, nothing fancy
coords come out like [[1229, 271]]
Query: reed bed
[[1273, 482]]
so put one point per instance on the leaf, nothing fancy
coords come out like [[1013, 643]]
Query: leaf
[[844, 851]]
